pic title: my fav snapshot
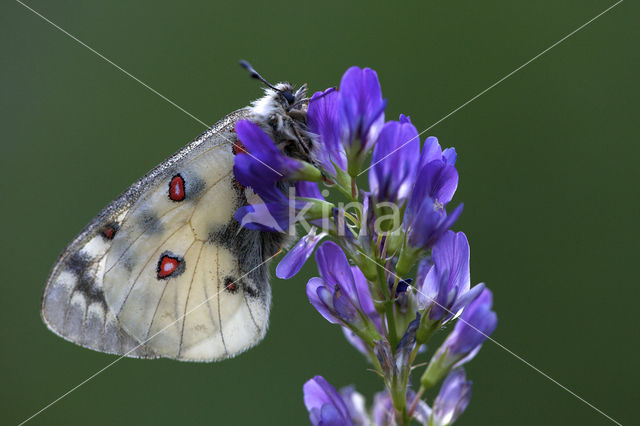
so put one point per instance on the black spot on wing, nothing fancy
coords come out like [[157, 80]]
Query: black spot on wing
[[251, 292], [87, 286], [150, 222], [83, 267], [226, 236], [78, 263], [195, 187]]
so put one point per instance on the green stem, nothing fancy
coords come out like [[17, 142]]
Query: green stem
[[389, 311]]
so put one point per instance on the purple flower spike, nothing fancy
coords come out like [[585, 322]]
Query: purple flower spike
[[361, 112], [395, 161], [323, 120], [293, 261], [452, 399], [446, 287], [325, 405]]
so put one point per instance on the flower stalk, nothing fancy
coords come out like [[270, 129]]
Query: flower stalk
[[399, 224]]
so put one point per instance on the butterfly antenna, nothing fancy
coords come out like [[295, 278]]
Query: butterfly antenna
[[254, 74]]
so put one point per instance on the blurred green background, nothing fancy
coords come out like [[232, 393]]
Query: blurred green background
[[549, 177]]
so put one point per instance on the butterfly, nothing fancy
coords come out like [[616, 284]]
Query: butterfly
[[165, 270]]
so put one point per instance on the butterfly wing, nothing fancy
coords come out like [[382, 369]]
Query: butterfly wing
[[165, 271]]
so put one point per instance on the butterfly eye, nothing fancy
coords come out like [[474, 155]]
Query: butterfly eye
[[288, 95]]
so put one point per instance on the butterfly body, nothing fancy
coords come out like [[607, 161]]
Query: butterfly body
[[165, 270]]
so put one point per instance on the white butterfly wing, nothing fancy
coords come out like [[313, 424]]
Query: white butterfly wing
[[165, 270]]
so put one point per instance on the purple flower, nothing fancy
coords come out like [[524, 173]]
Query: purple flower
[[432, 151], [272, 211], [323, 120], [293, 261], [361, 113], [425, 219], [475, 324], [395, 161], [260, 166], [325, 405], [425, 225], [452, 399], [368, 308], [446, 287], [307, 189], [342, 293], [264, 164]]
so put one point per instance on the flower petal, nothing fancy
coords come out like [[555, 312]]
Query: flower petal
[[452, 252], [315, 289], [361, 107], [475, 324], [295, 258], [335, 269], [452, 399], [395, 161], [265, 162], [319, 393], [323, 120]]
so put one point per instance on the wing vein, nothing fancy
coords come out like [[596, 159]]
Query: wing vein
[[155, 312], [193, 208], [186, 303], [244, 295], [224, 345], [144, 267]]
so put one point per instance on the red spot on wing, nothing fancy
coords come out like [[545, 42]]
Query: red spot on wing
[[239, 148], [176, 188], [109, 231], [167, 266], [230, 285]]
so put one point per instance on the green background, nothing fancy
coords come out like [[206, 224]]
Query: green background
[[549, 177]]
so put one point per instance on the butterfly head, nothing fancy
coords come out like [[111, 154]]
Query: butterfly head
[[282, 111], [282, 99]]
